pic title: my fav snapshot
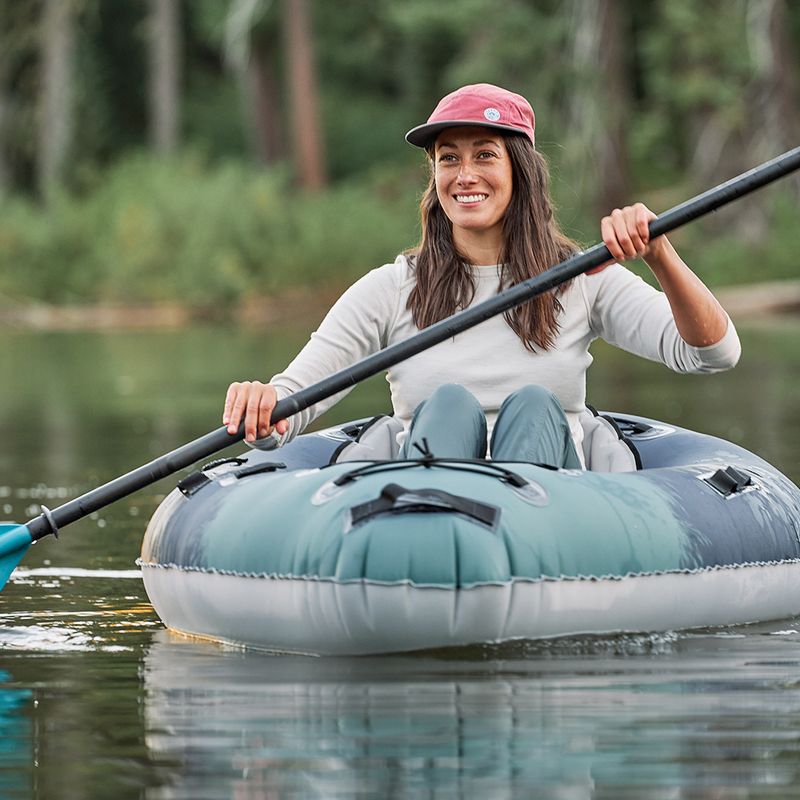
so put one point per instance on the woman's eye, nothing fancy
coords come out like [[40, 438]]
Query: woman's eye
[[447, 157], [486, 154]]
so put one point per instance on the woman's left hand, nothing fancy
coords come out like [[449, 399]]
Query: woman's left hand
[[700, 319], [626, 234]]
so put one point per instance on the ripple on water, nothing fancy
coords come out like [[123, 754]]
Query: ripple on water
[[21, 574], [45, 638], [71, 609]]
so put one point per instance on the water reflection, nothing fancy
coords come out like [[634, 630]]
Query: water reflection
[[560, 720], [15, 740], [73, 609]]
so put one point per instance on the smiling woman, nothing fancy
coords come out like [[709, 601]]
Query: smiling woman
[[474, 181], [515, 385]]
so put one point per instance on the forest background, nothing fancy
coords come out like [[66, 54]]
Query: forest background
[[216, 153]]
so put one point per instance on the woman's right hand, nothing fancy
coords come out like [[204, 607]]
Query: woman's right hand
[[252, 401]]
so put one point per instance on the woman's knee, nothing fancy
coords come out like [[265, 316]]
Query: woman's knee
[[532, 397], [455, 398], [450, 423]]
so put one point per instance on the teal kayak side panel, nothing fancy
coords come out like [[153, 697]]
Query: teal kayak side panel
[[299, 524], [594, 526], [434, 549]]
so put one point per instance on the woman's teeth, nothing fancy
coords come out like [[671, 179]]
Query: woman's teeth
[[470, 198]]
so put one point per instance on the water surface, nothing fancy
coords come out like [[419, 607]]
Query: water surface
[[98, 700]]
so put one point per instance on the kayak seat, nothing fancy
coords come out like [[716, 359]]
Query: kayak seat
[[605, 448], [375, 441]]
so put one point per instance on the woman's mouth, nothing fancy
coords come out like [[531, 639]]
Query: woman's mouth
[[466, 199]]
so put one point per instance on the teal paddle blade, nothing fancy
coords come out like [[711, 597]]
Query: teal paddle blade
[[14, 543]]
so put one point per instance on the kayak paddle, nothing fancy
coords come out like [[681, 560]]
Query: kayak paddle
[[15, 539]]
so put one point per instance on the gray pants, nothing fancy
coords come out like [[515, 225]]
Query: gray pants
[[531, 426]]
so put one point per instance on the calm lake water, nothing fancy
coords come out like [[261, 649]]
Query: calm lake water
[[97, 700]]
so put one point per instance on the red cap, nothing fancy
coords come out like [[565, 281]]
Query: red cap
[[480, 104]]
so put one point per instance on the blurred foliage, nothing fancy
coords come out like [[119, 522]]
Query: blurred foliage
[[731, 259], [213, 223], [199, 232]]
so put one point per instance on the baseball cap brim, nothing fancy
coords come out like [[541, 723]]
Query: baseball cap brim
[[423, 135]]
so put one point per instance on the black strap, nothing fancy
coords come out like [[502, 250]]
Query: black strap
[[476, 465], [195, 481], [397, 499], [192, 483], [255, 469]]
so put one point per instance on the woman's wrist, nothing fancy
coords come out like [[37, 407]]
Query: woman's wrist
[[661, 256]]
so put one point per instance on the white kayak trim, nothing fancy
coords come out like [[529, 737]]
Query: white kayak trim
[[328, 617], [279, 576]]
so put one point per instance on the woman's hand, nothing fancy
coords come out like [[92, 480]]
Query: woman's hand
[[626, 234], [700, 319], [252, 401]]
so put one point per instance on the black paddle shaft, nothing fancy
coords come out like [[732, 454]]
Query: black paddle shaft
[[49, 521]]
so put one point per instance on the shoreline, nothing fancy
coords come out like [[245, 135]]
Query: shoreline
[[761, 299], [764, 299], [290, 306]]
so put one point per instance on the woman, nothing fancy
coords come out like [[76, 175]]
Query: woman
[[519, 378]]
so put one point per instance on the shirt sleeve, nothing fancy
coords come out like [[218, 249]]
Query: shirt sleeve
[[627, 312], [357, 325]]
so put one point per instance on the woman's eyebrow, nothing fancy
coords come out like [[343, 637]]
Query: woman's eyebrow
[[476, 143]]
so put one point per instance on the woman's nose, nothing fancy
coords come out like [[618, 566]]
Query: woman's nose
[[466, 174]]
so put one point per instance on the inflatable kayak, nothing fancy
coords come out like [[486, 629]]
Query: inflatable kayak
[[325, 547]]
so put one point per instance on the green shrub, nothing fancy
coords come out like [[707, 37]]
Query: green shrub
[[183, 230]]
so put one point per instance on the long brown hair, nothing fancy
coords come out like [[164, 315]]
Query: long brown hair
[[532, 242]]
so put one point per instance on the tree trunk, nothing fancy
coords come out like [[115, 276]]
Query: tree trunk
[[56, 107], [165, 69], [303, 96], [264, 106], [771, 124], [599, 106], [614, 190], [777, 87], [5, 173]]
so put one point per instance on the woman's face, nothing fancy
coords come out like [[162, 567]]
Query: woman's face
[[474, 179]]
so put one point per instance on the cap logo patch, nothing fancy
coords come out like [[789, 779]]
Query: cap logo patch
[[492, 114]]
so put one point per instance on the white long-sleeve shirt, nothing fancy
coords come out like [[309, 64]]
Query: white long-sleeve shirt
[[490, 360]]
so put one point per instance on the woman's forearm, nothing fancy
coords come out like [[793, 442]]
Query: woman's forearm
[[700, 319]]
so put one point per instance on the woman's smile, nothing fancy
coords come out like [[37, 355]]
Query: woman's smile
[[471, 199]]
